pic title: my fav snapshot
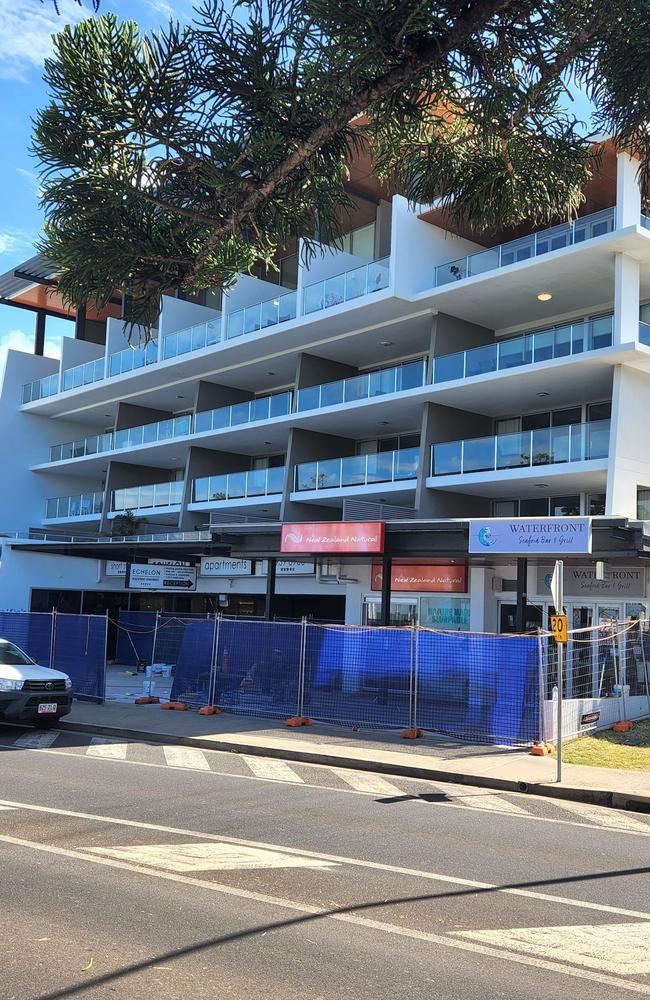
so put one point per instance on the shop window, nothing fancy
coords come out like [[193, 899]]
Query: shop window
[[643, 503], [568, 506], [66, 601], [505, 508], [596, 504], [442, 611]]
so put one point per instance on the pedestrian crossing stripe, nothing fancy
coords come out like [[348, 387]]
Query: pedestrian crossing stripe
[[366, 781], [601, 816], [213, 856], [264, 768], [186, 757], [36, 740], [620, 948], [100, 746]]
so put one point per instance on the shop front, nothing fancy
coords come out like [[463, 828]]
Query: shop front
[[432, 593]]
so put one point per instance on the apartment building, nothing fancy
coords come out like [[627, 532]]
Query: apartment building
[[413, 376]]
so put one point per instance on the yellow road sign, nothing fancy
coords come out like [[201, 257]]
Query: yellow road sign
[[559, 627]]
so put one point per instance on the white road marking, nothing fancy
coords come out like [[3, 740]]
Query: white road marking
[[644, 831], [36, 740], [186, 757], [356, 862], [619, 948], [209, 857], [366, 781], [489, 802], [102, 747], [615, 819], [442, 940], [264, 767]]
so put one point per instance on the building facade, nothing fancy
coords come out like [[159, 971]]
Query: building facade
[[412, 375]]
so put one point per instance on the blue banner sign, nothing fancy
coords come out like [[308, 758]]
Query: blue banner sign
[[527, 536]]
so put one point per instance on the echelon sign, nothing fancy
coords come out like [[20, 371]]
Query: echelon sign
[[142, 576], [559, 627]]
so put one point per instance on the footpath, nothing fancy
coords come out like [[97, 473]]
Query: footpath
[[435, 757]]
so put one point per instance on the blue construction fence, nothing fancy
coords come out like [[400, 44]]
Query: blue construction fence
[[75, 644], [479, 687]]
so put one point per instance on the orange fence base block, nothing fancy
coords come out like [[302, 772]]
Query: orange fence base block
[[210, 710], [179, 706], [622, 727], [412, 734], [147, 699], [294, 721], [167, 706], [541, 750]]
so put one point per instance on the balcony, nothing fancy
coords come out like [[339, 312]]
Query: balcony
[[411, 375], [81, 448], [82, 505], [162, 430], [86, 374], [346, 286], [132, 358], [536, 245], [193, 339], [358, 470], [644, 333], [146, 497], [531, 348], [522, 450], [41, 388], [279, 309], [239, 485], [263, 408]]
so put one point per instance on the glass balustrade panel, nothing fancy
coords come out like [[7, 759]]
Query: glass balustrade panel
[[217, 488], [287, 307], [252, 318], [601, 332], [380, 467], [479, 454], [407, 462], [410, 375], [309, 398], [597, 439], [170, 347], [356, 283], [236, 485], [203, 421], [455, 270], [334, 290], [357, 387], [449, 367], [544, 345], [513, 450], [353, 470], [269, 313], [380, 383], [481, 360], [280, 404], [275, 479], [256, 483], [314, 297], [515, 352], [240, 413], [484, 260], [447, 458], [332, 393], [307, 476], [236, 324]]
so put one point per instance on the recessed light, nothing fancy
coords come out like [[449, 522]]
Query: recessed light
[[541, 486], [387, 343], [108, 415], [384, 423], [267, 442], [545, 296], [180, 397], [269, 373], [540, 394]]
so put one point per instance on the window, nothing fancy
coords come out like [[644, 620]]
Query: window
[[643, 503], [284, 273], [359, 242], [596, 504], [505, 508], [10, 655], [599, 411], [536, 507], [568, 506]]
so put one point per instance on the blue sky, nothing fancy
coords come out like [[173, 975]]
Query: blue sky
[[25, 41]]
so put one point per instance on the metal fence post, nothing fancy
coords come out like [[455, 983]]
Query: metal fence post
[[542, 685], [53, 638], [302, 666], [645, 668], [411, 722], [102, 694], [213, 659], [416, 671], [622, 671]]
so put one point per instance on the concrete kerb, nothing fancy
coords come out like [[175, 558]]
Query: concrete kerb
[[591, 796]]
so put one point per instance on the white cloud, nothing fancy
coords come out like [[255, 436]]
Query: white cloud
[[16, 243], [27, 29]]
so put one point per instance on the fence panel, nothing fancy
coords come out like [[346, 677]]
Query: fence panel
[[478, 686], [184, 646], [359, 675], [80, 652], [30, 630], [257, 667], [135, 637]]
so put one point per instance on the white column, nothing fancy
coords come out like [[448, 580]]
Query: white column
[[626, 299], [477, 597], [628, 193], [629, 461]]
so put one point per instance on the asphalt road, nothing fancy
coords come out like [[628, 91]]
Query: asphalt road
[[134, 871]]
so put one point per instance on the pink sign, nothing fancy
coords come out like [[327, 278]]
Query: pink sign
[[338, 536]]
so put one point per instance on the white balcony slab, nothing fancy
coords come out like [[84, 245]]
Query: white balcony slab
[[565, 478]]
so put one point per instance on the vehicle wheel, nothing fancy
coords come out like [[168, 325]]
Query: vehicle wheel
[[45, 723]]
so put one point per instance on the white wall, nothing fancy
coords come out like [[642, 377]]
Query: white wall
[[326, 263], [78, 352], [629, 455], [250, 290], [417, 247], [25, 441], [177, 314], [116, 336]]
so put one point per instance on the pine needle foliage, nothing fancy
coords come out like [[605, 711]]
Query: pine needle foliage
[[176, 159]]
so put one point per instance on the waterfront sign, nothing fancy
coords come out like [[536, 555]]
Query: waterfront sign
[[529, 536], [142, 576], [580, 581], [336, 536]]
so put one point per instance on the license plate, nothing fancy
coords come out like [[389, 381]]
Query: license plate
[[47, 708]]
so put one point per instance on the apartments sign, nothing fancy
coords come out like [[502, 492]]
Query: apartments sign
[[528, 536], [337, 536]]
